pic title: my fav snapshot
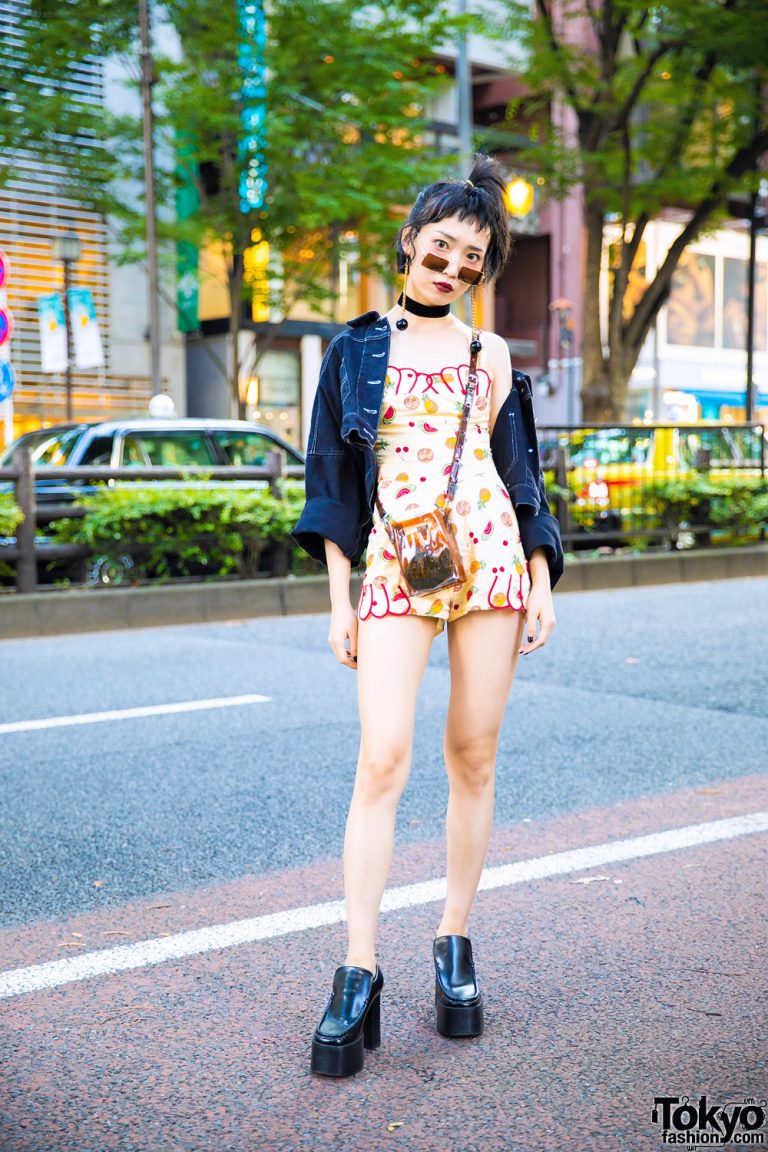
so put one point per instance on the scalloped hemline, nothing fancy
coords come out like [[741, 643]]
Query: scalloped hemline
[[441, 621]]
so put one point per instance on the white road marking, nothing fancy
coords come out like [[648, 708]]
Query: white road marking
[[132, 713], [107, 961]]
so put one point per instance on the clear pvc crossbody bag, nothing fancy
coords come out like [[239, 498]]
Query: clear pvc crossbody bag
[[425, 544]]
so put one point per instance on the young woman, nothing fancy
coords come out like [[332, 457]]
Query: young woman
[[384, 424]]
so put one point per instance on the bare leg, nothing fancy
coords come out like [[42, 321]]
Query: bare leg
[[482, 649], [392, 653]]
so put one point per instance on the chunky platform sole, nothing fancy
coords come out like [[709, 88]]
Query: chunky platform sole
[[457, 1019], [347, 1058]]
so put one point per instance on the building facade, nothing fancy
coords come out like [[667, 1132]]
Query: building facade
[[280, 358], [693, 364], [34, 212]]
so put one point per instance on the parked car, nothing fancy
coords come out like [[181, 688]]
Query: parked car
[[141, 443], [607, 462], [606, 467], [145, 443]]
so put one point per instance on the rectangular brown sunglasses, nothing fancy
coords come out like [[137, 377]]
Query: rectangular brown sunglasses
[[439, 264]]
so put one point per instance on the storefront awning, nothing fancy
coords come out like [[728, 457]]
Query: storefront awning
[[738, 399]]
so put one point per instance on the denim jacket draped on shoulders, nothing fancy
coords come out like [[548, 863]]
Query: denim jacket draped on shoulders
[[341, 466]]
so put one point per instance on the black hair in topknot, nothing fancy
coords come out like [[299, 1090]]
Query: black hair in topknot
[[484, 204]]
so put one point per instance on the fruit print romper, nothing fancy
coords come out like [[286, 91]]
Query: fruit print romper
[[417, 431]]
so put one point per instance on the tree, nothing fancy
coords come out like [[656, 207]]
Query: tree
[[664, 105], [342, 144], [345, 95], [47, 114]]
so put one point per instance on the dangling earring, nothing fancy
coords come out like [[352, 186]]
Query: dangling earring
[[402, 323], [475, 345]]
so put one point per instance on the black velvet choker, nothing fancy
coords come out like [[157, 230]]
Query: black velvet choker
[[424, 309]]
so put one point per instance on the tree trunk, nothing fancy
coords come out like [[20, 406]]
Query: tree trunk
[[237, 403], [596, 390], [606, 372]]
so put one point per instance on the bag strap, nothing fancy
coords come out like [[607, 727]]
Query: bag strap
[[458, 446]]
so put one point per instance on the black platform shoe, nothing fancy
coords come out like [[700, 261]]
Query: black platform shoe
[[458, 1001], [351, 1022]]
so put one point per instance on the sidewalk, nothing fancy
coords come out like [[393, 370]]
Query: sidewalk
[[59, 612], [605, 987]]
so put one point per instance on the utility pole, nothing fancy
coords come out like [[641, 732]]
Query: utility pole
[[147, 80], [750, 388], [68, 326], [758, 219], [464, 94], [66, 247], [464, 100]]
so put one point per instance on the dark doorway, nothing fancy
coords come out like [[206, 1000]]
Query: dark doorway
[[523, 296]]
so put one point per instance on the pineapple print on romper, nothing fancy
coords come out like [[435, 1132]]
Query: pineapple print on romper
[[414, 449]]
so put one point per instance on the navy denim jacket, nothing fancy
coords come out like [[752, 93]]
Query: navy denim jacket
[[341, 466]]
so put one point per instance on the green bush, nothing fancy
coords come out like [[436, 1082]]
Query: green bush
[[10, 518], [223, 530], [10, 515], [734, 509], [215, 531], [730, 510]]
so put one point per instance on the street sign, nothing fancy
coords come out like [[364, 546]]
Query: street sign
[[7, 380], [252, 28], [6, 325], [5, 268]]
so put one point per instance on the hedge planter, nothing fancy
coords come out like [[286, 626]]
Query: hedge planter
[[150, 533]]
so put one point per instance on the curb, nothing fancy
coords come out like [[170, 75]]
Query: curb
[[60, 613]]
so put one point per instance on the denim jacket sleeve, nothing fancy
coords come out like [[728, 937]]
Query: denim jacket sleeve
[[333, 473], [538, 527], [541, 530]]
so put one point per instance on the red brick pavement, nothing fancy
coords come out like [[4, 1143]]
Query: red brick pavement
[[599, 996]]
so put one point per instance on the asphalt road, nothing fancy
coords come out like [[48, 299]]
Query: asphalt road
[[639, 691], [645, 712]]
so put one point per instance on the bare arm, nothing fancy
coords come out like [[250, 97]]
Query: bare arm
[[339, 572], [539, 606], [343, 616]]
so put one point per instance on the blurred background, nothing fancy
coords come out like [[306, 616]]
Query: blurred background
[[195, 196]]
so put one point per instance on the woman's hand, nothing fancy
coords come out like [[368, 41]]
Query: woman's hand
[[344, 627], [539, 607]]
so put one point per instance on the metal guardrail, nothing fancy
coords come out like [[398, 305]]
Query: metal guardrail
[[603, 467], [29, 552]]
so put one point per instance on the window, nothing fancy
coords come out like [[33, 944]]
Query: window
[[98, 452], [175, 449], [691, 303], [614, 446], [133, 453], [49, 448], [249, 449], [707, 305], [710, 448]]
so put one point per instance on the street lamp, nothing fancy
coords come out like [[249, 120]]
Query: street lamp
[[66, 248], [519, 195], [465, 108]]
